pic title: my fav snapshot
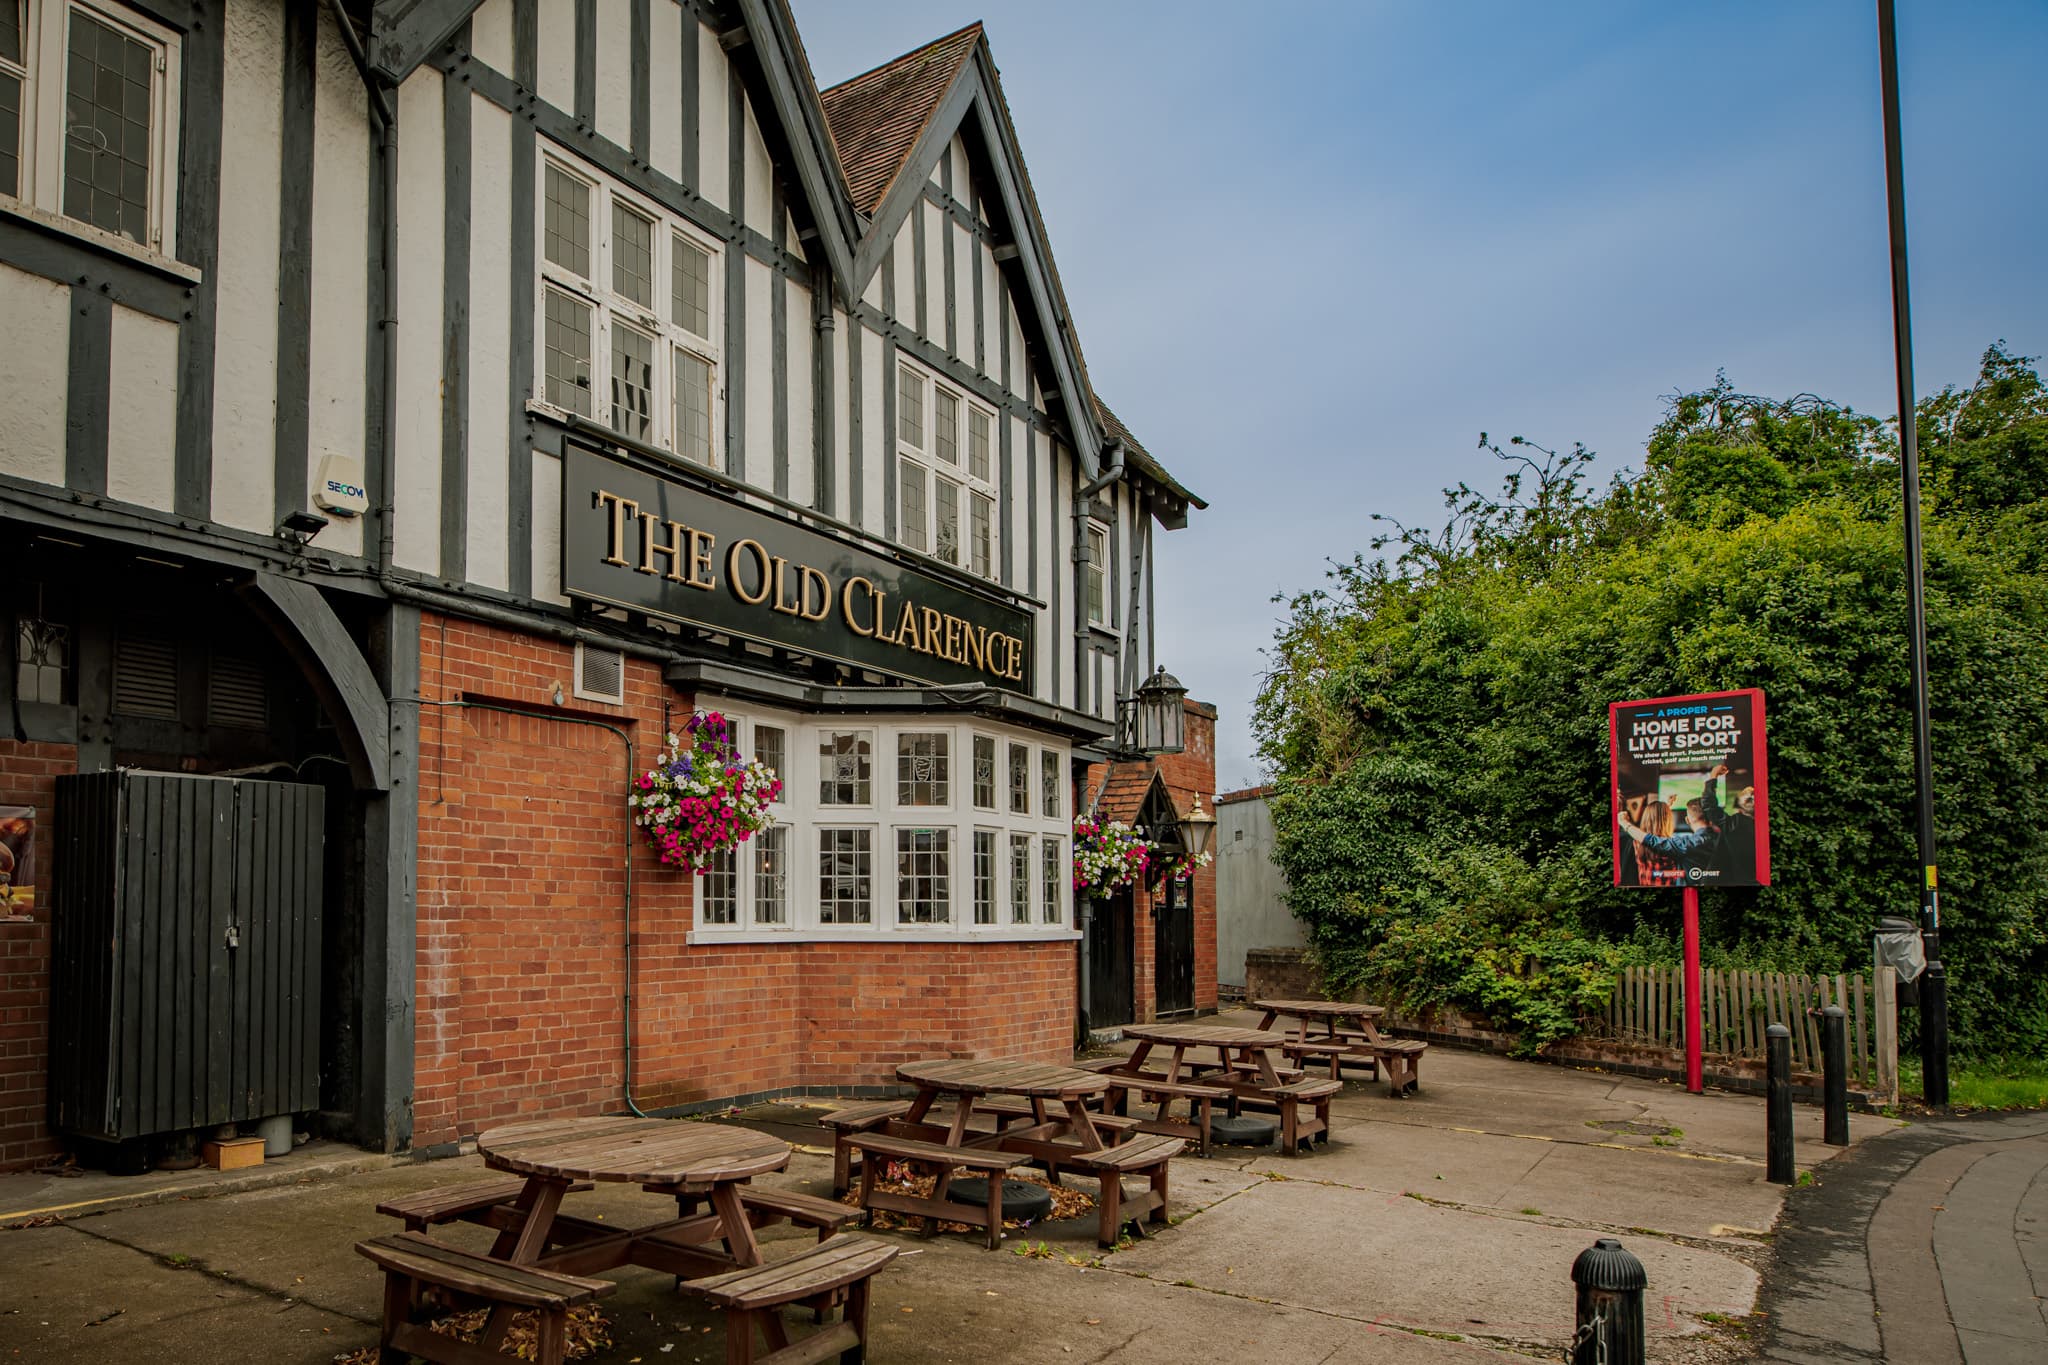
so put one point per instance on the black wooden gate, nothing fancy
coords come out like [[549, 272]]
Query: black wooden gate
[[1112, 962], [1173, 949], [185, 952]]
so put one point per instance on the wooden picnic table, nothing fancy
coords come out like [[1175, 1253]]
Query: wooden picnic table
[[1348, 1037], [664, 1156], [1237, 1049], [1245, 1067], [969, 1083], [1071, 1136], [1331, 1014]]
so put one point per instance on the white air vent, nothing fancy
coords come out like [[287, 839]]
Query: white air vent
[[235, 694], [146, 676], [600, 674]]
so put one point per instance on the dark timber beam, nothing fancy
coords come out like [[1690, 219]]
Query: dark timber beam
[[404, 33], [339, 675]]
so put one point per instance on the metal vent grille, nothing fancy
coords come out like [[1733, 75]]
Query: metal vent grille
[[236, 695], [146, 676], [600, 674]]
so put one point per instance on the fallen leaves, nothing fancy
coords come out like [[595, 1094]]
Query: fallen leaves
[[587, 1333]]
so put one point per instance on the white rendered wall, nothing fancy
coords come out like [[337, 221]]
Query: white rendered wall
[[416, 517], [142, 433], [665, 86], [245, 275], [556, 58], [34, 376], [490, 35], [490, 353], [338, 353], [714, 150], [615, 73]]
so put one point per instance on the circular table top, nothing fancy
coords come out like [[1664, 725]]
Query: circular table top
[[1321, 1009], [645, 1151], [1204, 1035], [965, 1076]]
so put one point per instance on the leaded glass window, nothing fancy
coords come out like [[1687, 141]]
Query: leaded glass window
[[1020, 879], [984, 772], [693, 406], [771, 876], [977, 444], [846, 768], [845, 876], [632, 382], [565, 221], [1020, 779], [107, 139], [913, 514], [690, 290], [922, 769], [632, 255], [718, 889], [1049, 784], [566, 344], [910, 408], [924, 865], [1054, 875], [946, 529], [984, 876]]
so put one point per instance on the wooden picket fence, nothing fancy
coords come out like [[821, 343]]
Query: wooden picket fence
[[1648, 1008]]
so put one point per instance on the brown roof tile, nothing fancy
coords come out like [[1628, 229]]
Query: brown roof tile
[[877, 116]]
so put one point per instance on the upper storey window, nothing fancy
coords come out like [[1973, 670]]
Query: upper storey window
[[945, 482], [627, 317], [89, 114]]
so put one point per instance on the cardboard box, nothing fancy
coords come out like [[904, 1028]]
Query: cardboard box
[[232, 1154]]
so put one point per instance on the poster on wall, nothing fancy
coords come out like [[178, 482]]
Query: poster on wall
[[17, 859], [1687, 783]]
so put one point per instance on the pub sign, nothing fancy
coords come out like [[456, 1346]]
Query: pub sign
[[633, 539]]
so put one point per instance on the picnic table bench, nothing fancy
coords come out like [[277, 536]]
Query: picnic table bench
[[1348, 1036], [1153, 1086], [1243, 1066]]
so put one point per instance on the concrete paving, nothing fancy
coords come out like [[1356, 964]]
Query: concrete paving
[[1927, 1245], [1433, 1229]]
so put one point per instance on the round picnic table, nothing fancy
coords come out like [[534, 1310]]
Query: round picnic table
[[969, 1080], [666, 1156]]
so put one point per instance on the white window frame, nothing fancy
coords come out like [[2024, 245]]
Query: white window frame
[[608, 307], [802, 815], [921, 457], [46, 30], [1099, 578]]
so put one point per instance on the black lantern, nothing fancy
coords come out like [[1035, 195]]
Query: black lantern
[[1197, 830], [1152, 722]]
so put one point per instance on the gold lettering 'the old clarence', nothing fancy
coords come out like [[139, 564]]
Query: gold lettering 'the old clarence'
[[685, 550], [925, 631]]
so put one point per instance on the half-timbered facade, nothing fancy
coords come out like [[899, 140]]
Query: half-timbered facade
[[437, 402]]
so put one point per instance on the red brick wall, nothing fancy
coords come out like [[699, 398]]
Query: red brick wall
[[28, 777], [521, 929]]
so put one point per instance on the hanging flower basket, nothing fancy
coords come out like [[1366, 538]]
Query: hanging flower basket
[[1179, 869], [1108, 854], [701, 798]]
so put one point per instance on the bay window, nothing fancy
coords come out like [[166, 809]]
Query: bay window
[[874, 838]]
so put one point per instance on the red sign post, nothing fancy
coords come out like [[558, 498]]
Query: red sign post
[[1691, 808]]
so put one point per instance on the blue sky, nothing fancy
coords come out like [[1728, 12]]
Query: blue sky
[[1314, 250]]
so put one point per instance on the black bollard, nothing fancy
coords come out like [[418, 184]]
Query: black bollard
[[1610, 1306], [1778, 1106], [1934, 1034], [1834, 1062]]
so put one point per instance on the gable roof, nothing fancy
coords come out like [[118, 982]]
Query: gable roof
[[877, 116]]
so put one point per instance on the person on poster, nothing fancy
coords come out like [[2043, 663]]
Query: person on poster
[[1738, 834], [1695, 850]]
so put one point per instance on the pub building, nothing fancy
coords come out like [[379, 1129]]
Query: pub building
[[412, 414]]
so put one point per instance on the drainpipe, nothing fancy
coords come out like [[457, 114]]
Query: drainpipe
[[1114, 450], [383, 471]]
